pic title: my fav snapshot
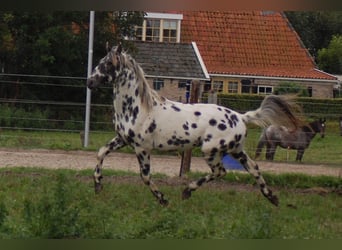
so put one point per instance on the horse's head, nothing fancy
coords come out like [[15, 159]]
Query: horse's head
[[318, 126], [107, 69]]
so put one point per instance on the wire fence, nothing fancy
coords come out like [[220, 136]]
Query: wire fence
[[30, 102], [56, 104]]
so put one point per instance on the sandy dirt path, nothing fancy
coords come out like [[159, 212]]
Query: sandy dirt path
[[168, 165]]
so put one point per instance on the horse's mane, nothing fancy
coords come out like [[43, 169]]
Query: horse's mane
[[147, 95], [314, 125], [307, 129]]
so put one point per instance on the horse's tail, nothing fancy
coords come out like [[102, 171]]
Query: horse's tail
[[261, 144], [275, 110]]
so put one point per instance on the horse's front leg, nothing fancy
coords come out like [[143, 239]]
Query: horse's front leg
[[144, 163], [300, 153], [113, 145], [270, 152]]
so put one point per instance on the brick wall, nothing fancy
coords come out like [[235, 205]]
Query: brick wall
[[170, 90], [319, 89]]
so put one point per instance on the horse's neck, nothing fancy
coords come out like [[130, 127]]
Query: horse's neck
[[314, 127], [131, 91], [309, 131]]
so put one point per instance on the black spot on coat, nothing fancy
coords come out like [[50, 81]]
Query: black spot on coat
[[175, 108], [212, 122], [222, 126], [152, 126]]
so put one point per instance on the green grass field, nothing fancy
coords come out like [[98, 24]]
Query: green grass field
[[37, 203], [41, 203]]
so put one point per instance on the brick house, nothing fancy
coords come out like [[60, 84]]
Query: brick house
[[241, 52]]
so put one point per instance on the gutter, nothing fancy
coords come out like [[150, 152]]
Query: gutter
[[177, 77]]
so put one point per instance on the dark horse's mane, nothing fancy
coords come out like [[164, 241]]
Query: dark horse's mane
[[307, 128]]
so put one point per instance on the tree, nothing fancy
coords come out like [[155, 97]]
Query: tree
[[316, 28], [330, 58], [56, 43]]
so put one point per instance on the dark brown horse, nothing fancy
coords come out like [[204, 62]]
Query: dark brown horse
[[281, 136]]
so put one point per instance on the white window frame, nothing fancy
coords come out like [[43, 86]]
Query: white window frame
[[265, 92], [158, 84], [161, 17], [233, 90]]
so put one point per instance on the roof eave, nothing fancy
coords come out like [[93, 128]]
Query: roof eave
[[274, 77], [199, 57], [177, 77]]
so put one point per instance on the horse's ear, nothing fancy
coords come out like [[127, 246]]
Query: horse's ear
[[107, 47], [119, 49]]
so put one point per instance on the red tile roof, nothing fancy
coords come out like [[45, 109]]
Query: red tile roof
[[254, 43]]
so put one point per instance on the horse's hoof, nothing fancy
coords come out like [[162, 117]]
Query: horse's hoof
[[186, 194], [98, 187], [163, 202], [274, 200]]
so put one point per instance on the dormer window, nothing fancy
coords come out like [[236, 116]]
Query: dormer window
[[160, 27]]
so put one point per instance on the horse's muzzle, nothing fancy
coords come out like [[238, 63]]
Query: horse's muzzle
[[91, 84]]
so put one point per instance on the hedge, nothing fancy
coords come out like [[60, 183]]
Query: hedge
[[312, 107]]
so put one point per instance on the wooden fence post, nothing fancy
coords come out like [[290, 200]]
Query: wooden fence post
[[186, 154]]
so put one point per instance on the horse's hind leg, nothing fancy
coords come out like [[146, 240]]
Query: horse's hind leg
[[144, 163], [113, 145], [253, 168], [215, 163]]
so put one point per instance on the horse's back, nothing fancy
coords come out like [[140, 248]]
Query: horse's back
[[206, 125]]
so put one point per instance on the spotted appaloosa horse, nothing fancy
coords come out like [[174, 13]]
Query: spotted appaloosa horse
[[145, 121], [281, 136]]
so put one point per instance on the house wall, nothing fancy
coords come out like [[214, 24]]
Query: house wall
[[319, 89], [170, 90]]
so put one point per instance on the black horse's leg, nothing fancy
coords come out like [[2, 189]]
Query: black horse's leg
[[267, 153], [300, 153], [271, 152], [215, 163], [144, 163], [113, 145], [253, 169]]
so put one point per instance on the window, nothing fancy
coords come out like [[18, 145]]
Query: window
[[152, 30], [158, 84], [218, 86], [169, 31], [246, 86], [233, 87], [160, 27], [265, 90], [182, 84]]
